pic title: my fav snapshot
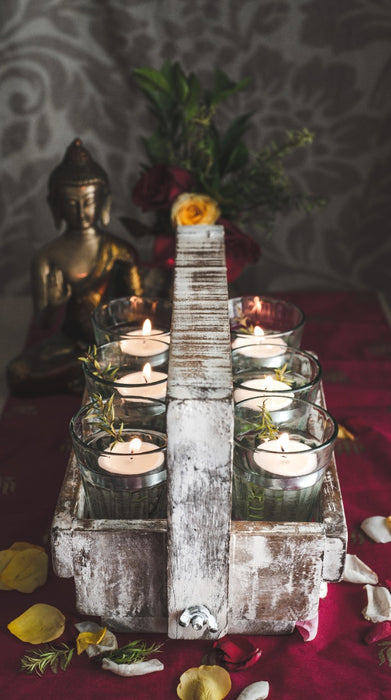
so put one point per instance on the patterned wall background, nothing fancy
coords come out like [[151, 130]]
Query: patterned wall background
[[66, 71]]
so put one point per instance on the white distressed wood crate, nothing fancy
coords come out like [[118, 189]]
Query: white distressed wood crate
[[141, 575]]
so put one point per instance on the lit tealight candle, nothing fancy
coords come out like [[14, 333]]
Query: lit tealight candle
[[134, 457], [281, 457], [257, 344], [140, 341], [147, 383], [263, 385]]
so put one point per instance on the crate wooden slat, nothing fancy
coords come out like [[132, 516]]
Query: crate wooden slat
[[255, 577]]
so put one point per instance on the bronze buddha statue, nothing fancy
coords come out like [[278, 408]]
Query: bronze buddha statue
[[72, 274]]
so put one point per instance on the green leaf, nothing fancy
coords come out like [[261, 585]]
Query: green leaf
[[237, 158], [150, 79], [231, 141], [224, 87], [193, 96], [181, 88]]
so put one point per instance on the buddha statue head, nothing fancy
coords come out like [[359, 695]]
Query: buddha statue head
[[79, 191]]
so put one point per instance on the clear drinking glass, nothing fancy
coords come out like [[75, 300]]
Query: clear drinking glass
[[279, 477], [124, 315], [122, 482], [132, 377], [288, 371], [280, 321]]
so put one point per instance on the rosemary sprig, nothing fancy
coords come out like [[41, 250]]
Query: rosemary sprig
[[280, 374], [49, 656], [131, 653], [104, 414], [90, 358], [266, 429]]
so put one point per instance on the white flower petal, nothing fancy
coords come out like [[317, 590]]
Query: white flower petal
[[379, 604], [138, 669], [355, 571], [255, 691], [376, 528], [323, 589]]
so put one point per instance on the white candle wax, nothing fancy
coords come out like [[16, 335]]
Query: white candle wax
[[140, 341], [264, 385], [142, 387], [254, 345], [138, 462], [282, 458]]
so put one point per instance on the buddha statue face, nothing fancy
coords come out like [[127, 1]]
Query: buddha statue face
[[79, 190], [80, 206]]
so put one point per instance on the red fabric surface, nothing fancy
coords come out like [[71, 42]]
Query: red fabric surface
[[350, 334]]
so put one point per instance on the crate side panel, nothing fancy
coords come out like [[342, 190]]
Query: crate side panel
[[275, 573], [333, 518], [121, 574]]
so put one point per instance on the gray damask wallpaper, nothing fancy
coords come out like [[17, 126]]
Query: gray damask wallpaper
[[66, 71]]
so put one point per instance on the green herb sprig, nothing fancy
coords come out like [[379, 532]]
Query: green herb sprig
[[281, 373], [266, 429], [131, 653], [90, 358], [49, 657], [104, 414]]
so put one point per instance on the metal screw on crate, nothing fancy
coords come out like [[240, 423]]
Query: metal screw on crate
[[198, 616]]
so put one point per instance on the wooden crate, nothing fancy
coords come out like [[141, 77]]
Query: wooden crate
[[253, 577]]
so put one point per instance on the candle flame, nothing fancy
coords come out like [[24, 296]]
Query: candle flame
[[257, 305], [283, 442], [147, 371], [135, 445], [258, 331], [147, 327]]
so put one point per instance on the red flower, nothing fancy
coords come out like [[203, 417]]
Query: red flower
[[235, 652], [159, 186], [240, 249]]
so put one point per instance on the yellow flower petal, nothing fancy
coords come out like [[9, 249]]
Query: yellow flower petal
[[26, 545], [190, 208], [5, 558], [38, 624], [26, 571], [204, 683], [344, 433], [84, 639]]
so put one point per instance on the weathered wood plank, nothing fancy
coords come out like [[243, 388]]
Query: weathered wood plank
[[199, 435], [279, 567], [201, 240]]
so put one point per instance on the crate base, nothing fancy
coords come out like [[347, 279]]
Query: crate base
[[120, 566]]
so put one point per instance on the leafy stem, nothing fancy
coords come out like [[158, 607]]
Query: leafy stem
[[280, 374], [49, 656], [104, 414], [131, 653], [90, 358], [266, 429]]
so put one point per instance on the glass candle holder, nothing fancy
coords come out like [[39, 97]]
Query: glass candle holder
[[289, 372], [256, 320], [116, 370], [280, 458], [125, 480], [125, 317]]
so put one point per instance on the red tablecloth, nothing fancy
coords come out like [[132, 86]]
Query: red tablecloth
[[350, 334]]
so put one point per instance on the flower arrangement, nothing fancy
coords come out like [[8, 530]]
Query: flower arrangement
[[199, 174]]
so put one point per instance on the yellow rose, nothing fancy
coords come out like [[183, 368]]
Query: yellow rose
[[190, 208]]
